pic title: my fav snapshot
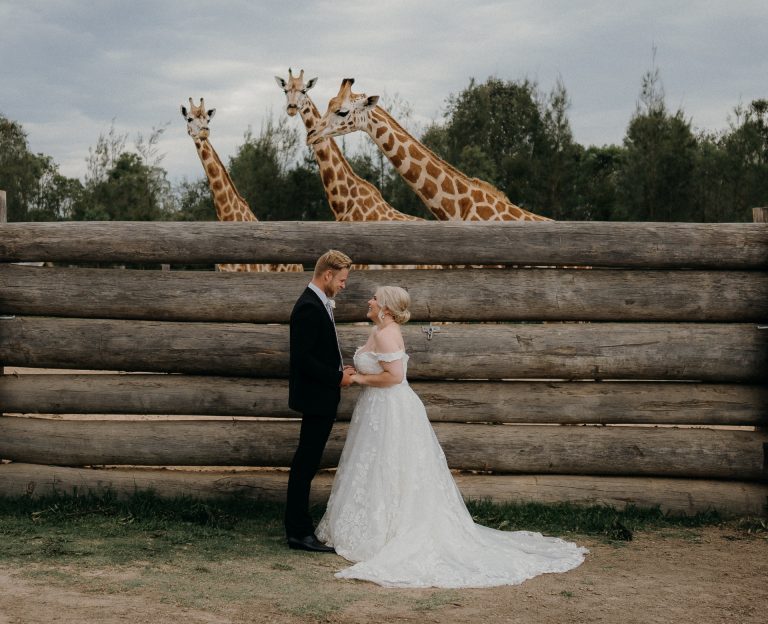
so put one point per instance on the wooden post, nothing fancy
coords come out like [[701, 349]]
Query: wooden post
[[760, 215], [3, 219]]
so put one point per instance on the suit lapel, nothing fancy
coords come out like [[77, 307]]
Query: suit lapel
[[316, 299]]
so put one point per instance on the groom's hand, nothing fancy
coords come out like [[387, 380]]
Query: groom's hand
[[346, 379]]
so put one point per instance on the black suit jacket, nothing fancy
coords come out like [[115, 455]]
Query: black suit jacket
[[314, 367]]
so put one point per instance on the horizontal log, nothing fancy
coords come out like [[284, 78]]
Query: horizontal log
[[710, 245], [675, 496], [706, 352], [478, 294], [456, 401], [700, 453]]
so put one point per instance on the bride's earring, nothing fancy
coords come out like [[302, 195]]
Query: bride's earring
[[381, 315]]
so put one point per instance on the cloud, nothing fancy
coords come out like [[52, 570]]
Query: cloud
[[79, 65]]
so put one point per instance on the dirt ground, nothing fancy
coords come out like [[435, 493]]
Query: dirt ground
[[672, 575]]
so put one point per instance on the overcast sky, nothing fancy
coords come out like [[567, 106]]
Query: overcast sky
[[70, 67]]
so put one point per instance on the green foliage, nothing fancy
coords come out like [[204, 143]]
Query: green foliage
[[35, 190], [129, 191], [656, 174], [265, 173], [746, 156], [508, 133], [596, 184], [495, 131], [122, 185], [194, 201], [511, 135], [304, 198]]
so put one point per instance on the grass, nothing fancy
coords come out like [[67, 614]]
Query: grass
[[597, 520], [211, 555], [118, 530]]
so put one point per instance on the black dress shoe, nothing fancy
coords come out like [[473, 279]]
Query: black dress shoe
[[310, 542]]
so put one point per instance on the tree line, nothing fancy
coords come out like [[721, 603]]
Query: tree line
[[508, 133]]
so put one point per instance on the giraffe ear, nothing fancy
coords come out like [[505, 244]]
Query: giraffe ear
[[280, 82], [184, 111], [371, 101], [310, 83], [211, 113]]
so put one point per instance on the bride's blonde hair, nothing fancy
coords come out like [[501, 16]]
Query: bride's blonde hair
[[396, 300]]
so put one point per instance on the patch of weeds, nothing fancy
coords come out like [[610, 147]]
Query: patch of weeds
[[320, 608], [132, 584], [752, 526], [566, 594], [281, 566], [436, 600], [52, 576], [600, 520], [53, 546]]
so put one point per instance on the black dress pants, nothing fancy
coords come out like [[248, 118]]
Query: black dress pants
[[315, 430]]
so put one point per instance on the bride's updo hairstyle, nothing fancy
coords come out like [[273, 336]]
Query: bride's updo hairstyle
[[396, 300]]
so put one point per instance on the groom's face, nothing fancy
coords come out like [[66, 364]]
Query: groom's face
[[335, 281]]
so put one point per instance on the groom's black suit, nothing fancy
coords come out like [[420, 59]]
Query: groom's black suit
[[314, 391]]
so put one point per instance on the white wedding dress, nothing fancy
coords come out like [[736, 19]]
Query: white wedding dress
[[395, 509]]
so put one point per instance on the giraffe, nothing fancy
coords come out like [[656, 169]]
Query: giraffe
[[350, 197], [447, 192], [230, 205]]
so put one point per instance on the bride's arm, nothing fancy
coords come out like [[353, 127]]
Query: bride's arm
[[393, 372], [390, 376]]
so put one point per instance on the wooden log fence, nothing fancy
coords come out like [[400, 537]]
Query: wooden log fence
[[529, 402], [532, 295], [697, 453], [679, 496], [702, 352], [717, 246], [664, 380]]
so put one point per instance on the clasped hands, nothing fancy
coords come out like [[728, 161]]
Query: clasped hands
[[346, 379]]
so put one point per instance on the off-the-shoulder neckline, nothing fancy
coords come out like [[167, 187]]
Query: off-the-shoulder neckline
[[360, 350]]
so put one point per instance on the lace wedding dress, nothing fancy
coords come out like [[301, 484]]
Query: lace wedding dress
[[396, 511]]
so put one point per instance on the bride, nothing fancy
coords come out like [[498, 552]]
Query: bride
[[394, 508]]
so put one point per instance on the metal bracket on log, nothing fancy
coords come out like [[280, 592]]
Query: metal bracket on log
[[430, 331]]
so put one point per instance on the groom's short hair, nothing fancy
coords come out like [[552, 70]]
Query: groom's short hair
[[332, 259]]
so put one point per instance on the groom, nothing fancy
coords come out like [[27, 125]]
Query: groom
[[316, 376]]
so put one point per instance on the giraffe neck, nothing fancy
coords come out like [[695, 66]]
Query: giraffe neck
[[448, 193], [350, 197], [335, 172], [229, 204]]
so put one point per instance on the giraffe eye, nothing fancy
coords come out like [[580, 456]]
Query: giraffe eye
[[342, 113]]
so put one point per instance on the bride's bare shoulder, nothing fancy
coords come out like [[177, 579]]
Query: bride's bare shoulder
[[388, 339]]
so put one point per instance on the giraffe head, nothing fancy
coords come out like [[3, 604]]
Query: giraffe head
[[197, 119], [295, 90], [346, 113]]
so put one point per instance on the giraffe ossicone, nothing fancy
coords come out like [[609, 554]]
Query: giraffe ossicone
[[229, 204], [350, 197], [449, 194]]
